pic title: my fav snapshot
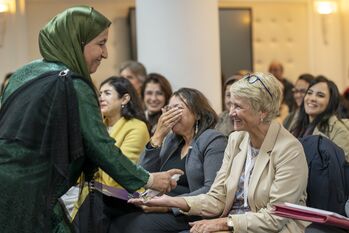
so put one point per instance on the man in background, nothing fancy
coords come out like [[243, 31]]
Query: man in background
[[277, 69]]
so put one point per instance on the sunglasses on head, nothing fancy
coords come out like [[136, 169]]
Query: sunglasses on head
[[252, 78]]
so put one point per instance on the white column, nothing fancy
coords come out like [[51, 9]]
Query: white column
[[326, 43], [180, 39], [345, 14]]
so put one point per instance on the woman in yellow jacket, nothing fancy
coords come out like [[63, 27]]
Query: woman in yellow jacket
[[125, 121]]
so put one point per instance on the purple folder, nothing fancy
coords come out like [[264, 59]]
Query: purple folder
[[119, 193]]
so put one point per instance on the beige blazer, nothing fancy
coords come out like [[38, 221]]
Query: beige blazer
[[280, 175], [338, 133]]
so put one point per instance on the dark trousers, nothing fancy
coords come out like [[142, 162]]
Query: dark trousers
[[97, 210], [151, 223]]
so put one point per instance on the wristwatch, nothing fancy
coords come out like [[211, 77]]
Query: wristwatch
[[230, 223]]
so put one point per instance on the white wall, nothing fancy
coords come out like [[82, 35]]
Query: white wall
[[39, 12], [180, 39], [280, 32], [271, 17], [345, 44], [14, 50], [326, 43]]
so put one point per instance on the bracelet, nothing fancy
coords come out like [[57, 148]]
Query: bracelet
[[153, 145]]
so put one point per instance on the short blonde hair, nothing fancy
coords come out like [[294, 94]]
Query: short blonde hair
[[265, 98]]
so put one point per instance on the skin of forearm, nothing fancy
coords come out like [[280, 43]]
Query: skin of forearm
[[179, 202]]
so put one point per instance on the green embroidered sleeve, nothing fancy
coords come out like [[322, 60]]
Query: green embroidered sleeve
[[100, 148]]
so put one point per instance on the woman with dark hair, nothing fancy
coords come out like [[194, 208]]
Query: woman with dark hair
[[225, 123], [156, 92], [124, 118], [125, 121], [193, 146], [318, 114], [299, 90]]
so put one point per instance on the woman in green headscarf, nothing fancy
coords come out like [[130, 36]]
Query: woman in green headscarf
[[51, 129]]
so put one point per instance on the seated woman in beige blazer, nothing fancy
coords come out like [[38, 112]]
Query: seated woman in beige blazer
[[263, 165]]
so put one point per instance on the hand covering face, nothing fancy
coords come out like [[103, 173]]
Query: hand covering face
[[64, 37]]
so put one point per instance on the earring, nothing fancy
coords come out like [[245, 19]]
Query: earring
[[196, 127], [122, 105], [262, 119]]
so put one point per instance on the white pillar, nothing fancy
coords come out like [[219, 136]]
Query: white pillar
[[326, 43], [345, 17], [180, 39]]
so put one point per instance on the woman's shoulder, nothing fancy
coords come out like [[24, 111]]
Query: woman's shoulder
[[336, 127], [28, 72], [135, 123], [210, 135], [334, 121], [237, 136], [286, 147], [287, 138]]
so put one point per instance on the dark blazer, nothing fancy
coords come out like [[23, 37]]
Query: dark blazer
[[202, 162]]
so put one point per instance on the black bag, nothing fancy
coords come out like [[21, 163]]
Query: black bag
[[328, 174]]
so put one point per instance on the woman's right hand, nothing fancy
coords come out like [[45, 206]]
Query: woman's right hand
[[163, 182], [165, 123]]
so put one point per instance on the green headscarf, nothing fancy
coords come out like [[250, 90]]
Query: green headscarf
[[64, 37]]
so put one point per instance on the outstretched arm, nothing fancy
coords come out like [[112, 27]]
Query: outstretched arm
[[163, 201]]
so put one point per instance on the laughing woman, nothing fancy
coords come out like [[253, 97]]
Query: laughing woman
[[318, 114], [184, 139], [156, 92], [263, 165]]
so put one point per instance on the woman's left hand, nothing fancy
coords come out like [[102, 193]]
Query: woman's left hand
[[148, 209], [208, 226]]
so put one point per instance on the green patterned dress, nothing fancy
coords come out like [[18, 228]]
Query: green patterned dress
[[26, 172]]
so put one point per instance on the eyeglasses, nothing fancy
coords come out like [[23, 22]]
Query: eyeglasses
[[252, 78], [300, 91]]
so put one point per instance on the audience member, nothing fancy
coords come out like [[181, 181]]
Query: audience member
[[156, 92], [135, 72], [344, 104], [298, 91], [283, 110], [225, 123], [193, 146], [277, 69], [318, 114], [125, 121], [263, 165], [51, 128]]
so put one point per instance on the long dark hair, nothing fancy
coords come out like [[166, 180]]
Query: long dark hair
[[133, 109], [303, 126], [200, 107]]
